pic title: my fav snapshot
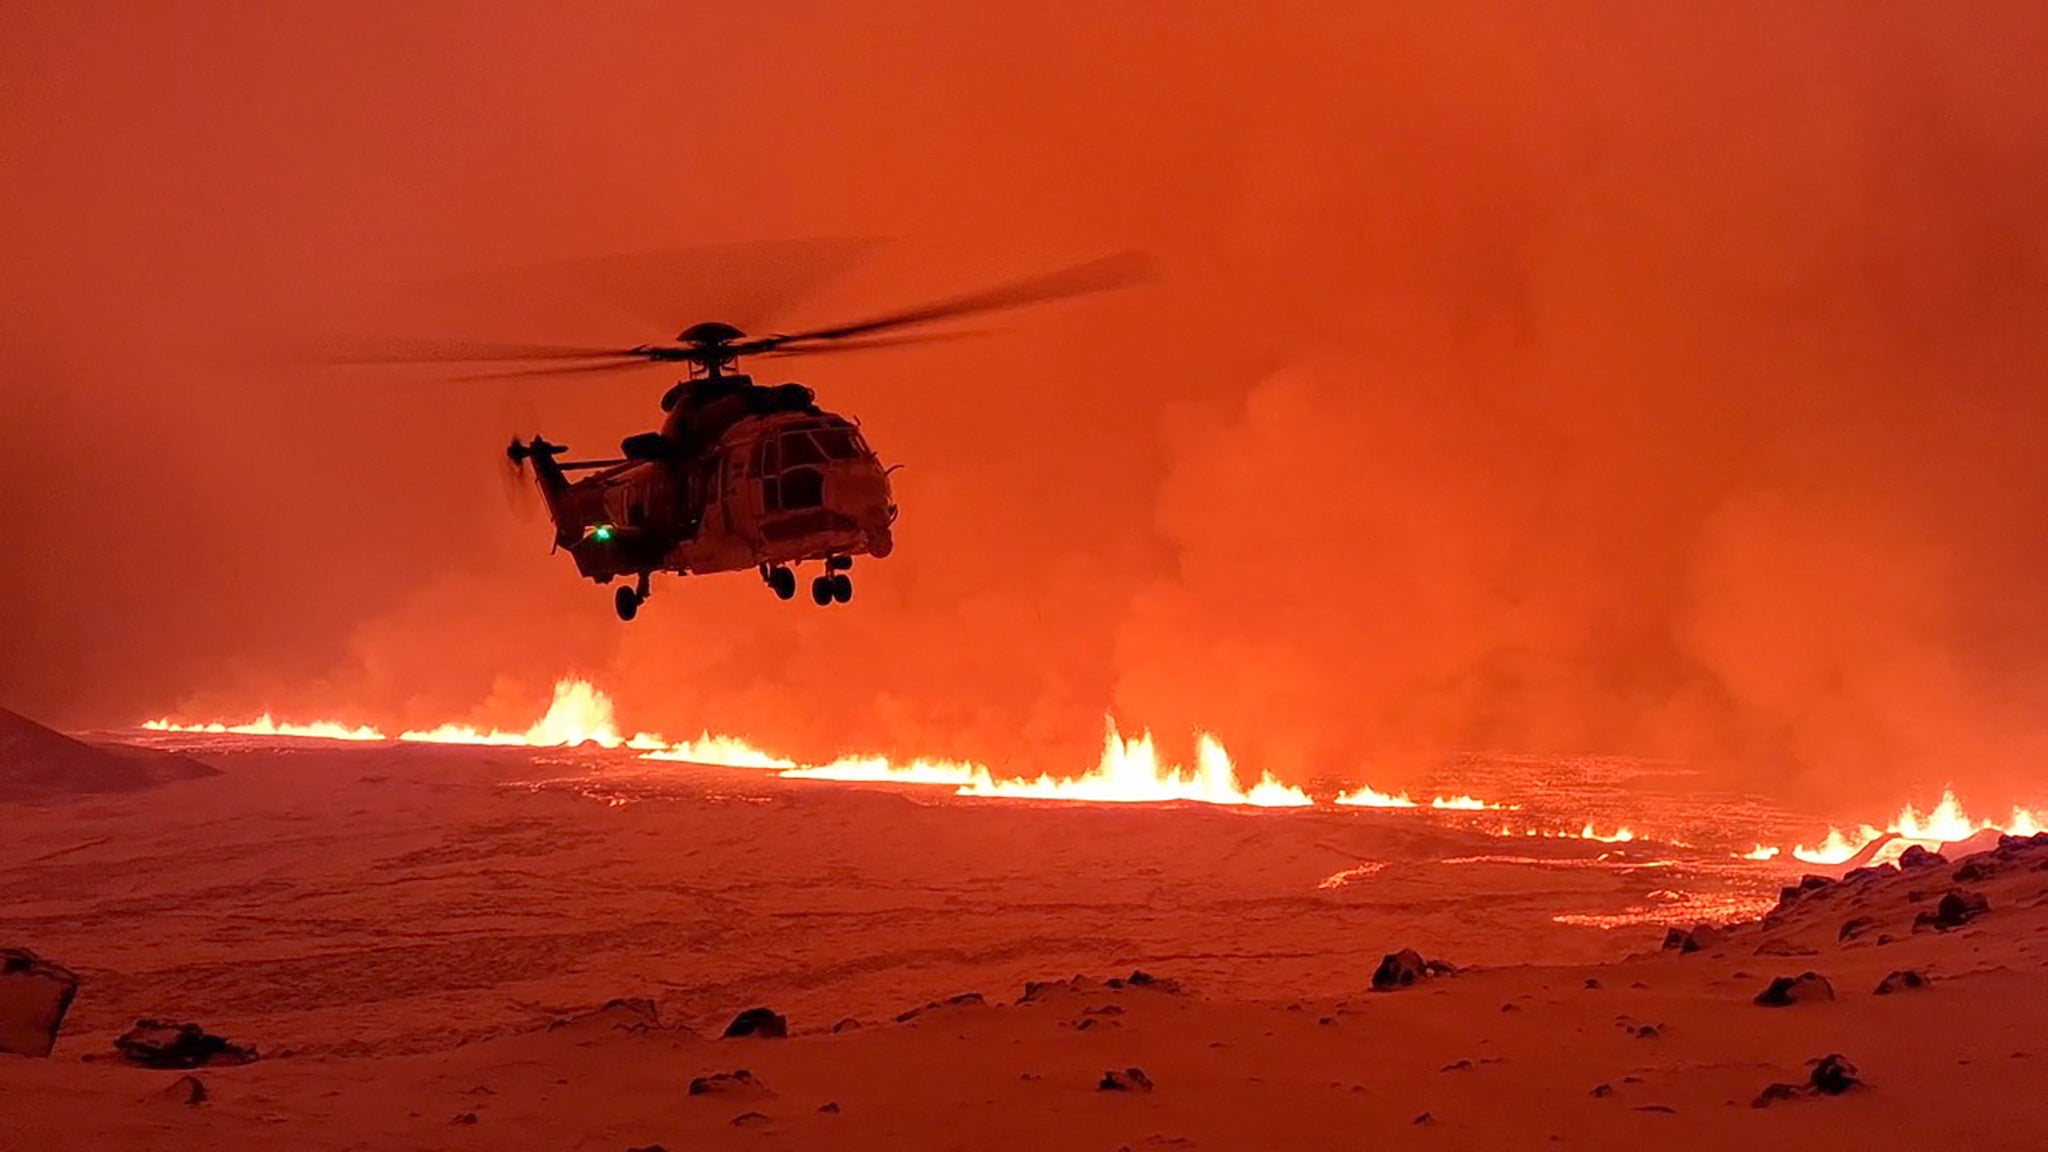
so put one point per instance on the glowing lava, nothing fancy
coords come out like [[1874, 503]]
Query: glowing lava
[[1944, 824], [265, 726], [1366, 796], [1128, 772], [579, 714], [709, 748]]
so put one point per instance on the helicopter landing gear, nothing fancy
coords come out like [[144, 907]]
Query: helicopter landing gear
[[781, 580], [835, 585], [830, 588], [627, 601]]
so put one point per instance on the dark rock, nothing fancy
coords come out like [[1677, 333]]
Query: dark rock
[[187, 1090], [1593, 984], [1856, 926], [1698, 937], [963, 1000], [1904, 980], [1956, 909], [1602, 1090], [2009, 844], [1657, 1108], [1970, 872], [1870, 872], [1646, 1031], [1786, 991], [647, 1148], [1784, 948], [1423, 1118], [1834, 1075], [759, 1022], [463, 1118], [1773, 1093], [34, 995], [1916, 857], [1456, 1066], [739, 1082], [1440, 967], [1128, 1080], [1144, 979], [829, 1107], [749, 1120], [1399, 970], [160, 1044], [847, 1025]]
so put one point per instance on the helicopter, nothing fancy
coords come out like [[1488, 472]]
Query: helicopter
[[740, 475]]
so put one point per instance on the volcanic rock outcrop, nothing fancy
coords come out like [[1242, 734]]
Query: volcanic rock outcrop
[[160, 1044], [34, 995]]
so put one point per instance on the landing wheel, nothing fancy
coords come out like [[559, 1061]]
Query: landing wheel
[[822, 591], [783, 581], [842, 588], [627, 602]]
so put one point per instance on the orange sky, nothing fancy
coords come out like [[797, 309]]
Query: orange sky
[[1538, 377]]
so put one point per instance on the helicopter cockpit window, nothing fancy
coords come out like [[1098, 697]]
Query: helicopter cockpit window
[[838, 443], [797, 448]]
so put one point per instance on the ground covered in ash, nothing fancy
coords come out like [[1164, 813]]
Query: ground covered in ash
[[416, 947]]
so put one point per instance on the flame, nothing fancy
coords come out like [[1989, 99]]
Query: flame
[[1621, 835], [1128, 772], [708, 748], [1366, 796], [265, 726], [1463, 803], [578, 714], [1761, 852], [950, 773], [1945, 823]]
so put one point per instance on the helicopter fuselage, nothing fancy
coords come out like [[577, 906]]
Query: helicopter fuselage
[[773, 489]]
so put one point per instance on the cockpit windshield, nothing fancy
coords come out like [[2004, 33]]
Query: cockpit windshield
[[817, 445]]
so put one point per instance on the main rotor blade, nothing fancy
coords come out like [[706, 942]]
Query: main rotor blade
[[559, 370], [1115, 271], [744, 282], [457, 351], [837, 346]]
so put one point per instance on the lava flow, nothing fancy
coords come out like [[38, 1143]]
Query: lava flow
[[1128, 771]]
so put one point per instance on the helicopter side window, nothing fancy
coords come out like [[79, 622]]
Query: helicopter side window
[[802, 488]]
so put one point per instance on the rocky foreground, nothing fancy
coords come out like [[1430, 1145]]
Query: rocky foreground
[[1899, 1006]]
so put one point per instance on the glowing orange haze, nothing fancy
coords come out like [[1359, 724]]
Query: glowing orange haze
[[1129, 771], [1659, 380]]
